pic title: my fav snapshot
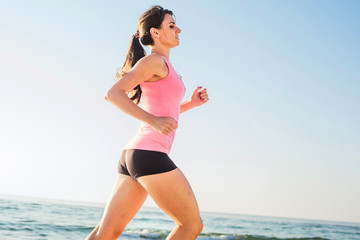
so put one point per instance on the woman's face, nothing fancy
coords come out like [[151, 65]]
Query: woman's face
[[169, 32]]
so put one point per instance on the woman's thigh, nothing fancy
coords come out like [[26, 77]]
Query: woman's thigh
[[126, 199], [172, 193]]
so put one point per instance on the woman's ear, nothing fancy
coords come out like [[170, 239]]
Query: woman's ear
[[154, 33]]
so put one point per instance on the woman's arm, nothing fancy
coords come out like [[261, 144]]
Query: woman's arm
[[198, 98], [145, 69]]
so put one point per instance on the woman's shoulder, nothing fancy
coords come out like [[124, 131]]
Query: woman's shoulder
[[155, 63], [153, 59]]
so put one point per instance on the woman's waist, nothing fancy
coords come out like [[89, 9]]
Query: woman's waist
[[162, 111], [146, 130], [150, 138]]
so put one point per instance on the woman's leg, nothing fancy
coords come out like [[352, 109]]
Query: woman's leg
[[173, 194], [126, 199]]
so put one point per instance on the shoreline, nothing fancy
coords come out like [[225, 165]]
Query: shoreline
[[103, 204]]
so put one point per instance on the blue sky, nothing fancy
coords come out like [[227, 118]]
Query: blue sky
[[279, 136]]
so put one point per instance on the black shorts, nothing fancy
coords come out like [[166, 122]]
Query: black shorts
[[137, 163]]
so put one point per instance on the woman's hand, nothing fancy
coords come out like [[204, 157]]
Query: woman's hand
[[198, 98], [164, 125]]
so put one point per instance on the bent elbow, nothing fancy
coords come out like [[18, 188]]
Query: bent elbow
[[111, 95], [107, 96]]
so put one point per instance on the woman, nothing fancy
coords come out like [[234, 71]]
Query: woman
[[144, 167]]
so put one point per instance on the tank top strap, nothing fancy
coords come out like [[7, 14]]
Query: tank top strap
[[170, 67]]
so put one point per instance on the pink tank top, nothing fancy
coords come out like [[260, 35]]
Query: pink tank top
[[160, 98]]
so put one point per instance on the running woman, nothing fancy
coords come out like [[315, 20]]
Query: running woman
[[145, 167]]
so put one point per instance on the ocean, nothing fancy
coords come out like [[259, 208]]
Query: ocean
[[42, 219]]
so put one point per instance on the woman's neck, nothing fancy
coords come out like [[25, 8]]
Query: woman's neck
[[162, 51]]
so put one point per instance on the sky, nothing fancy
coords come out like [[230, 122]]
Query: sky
[[279, 136]]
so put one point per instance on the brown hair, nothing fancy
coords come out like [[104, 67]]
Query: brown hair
[[152, 18]]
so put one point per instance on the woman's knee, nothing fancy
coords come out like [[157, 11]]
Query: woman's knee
[[194, 227], [199, 226]]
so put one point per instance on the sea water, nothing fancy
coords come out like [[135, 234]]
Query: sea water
[[40, 219]]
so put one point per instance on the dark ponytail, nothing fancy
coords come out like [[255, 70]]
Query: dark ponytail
[[134, 53], [152, 18]]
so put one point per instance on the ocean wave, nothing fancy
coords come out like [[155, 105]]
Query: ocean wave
[[160, 235]]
